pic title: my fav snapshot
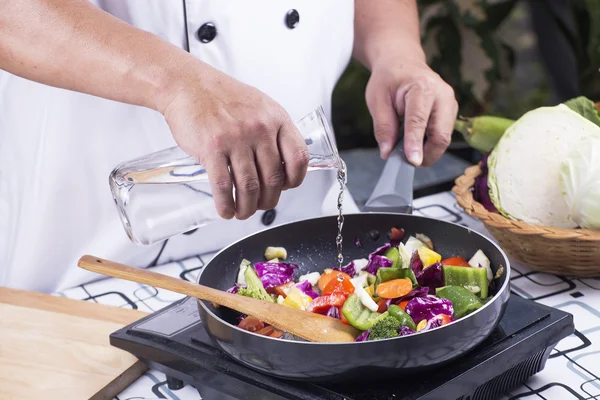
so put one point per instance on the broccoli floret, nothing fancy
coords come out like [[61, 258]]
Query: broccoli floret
[[385, 328], [254, 287]]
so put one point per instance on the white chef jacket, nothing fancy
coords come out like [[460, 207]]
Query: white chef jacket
[[58, 147]]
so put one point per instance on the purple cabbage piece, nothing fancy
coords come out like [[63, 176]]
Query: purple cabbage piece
[[363, 337], [420, 292], [348, 269], [274, 274], [415, 263], [432, 324], [334, 312], [405, 331], [234, 289], [377, 260], [387, 304], [306, 288], [381, 250], [357, 242], [481, 192], [432, 277], [425, 308]]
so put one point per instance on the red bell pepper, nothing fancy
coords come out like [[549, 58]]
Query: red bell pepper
[[396, 234], [281, 289], [343, 317], [457, 261], [381, 306], [339, 284], [322, 304]]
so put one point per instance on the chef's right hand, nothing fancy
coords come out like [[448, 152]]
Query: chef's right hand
[[229, 126]]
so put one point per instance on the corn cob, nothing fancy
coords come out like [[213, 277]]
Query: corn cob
[[482, 133]]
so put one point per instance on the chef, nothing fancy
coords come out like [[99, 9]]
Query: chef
[[86, 85]]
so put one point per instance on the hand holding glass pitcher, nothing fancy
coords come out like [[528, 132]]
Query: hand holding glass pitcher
[[246, 141], [169, 192]]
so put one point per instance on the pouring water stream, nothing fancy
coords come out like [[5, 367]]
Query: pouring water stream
[[167, 193]]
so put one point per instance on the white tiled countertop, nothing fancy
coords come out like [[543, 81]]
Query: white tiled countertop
[[572, 372]]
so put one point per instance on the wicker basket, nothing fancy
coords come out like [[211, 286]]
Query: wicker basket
[[570, 252]]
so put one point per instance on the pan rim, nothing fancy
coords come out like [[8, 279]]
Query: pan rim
[[501, 291]]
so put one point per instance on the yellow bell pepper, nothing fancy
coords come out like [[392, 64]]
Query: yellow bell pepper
[[428, 256], [296, 299], [421, 325]]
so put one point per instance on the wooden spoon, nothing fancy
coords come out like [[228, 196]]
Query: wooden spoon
[[307, 325]]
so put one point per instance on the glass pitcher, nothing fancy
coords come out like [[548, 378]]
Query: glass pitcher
[[167, 193]]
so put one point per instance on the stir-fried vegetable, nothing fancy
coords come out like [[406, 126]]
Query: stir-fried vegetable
[[479, 260], [251, 324], [326, 277], [431, 277], [463, 301], [425, 308], [313, 278], [274, 274], [385, 328], [306, 288], [322, 304], [428, 257], [340, 283], [398, 290], [281, 290], [254, 288], [388, 274], [473, 279], [275, 252], [394, 288], [402, 316], [297, 299], [457, 261], [358, 315], [394, 254]]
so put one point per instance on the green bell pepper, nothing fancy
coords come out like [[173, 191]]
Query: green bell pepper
[[388, 274], [473, 279], [463, 301], [394, 255], [402, 317], [371, 279], [358, 315]]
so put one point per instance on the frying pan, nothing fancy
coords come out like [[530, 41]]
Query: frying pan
[[310, 244]]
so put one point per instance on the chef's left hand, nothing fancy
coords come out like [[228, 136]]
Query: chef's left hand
[[410, 89]]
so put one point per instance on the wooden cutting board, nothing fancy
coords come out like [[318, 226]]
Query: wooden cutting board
[[57, 348]]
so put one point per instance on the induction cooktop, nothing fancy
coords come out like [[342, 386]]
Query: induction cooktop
[[174, 342]]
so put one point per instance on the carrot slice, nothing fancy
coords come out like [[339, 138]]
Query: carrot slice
[[394, 288], [276, 334], [403, 304], [267, 330], [251, 324]]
